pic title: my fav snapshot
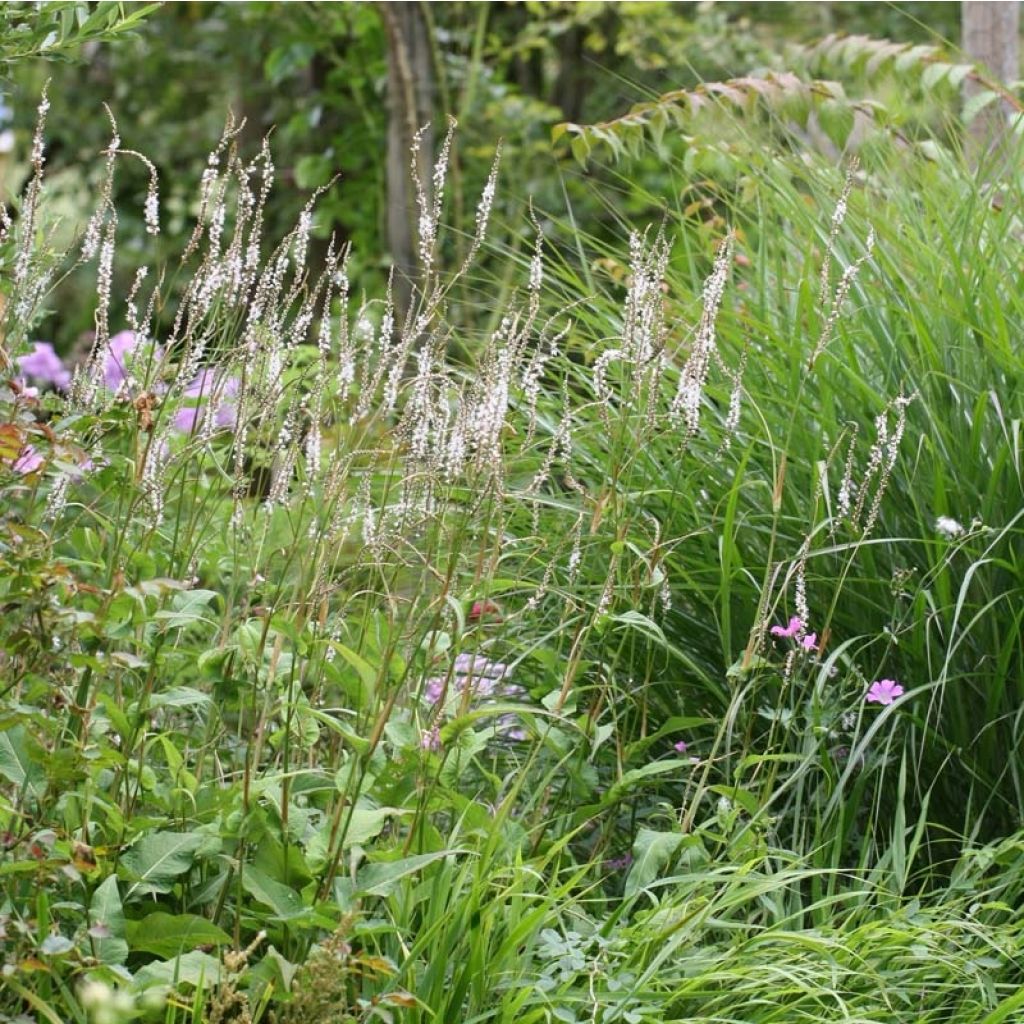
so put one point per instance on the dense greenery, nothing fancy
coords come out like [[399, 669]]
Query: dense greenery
[[629, 633]]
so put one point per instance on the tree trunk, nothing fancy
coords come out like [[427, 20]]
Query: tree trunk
[[410, 105], [990, 37]]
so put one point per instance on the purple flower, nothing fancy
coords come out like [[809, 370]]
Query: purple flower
[[810, 642], [433, 689], [883, 691], [796, 625], [208, 385], [28, 461], [680, 746], [478, 666], [115, 371], [430, 739], [44, 365]]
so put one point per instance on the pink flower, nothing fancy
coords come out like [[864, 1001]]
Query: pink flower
[[883, 691], [485, 609], [28, 461], [680, 746], [796, 624], [810, 642], [44, 365]]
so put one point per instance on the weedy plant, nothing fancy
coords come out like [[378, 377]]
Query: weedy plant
[[620, 658]]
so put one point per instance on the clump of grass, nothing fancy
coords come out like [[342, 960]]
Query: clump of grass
[[603, 663]]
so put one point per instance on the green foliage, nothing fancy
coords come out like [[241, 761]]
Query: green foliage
[[362, 671]]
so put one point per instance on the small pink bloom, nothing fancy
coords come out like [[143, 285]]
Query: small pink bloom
[[796, 624], [680, 746], [810, 642], [883, 691], [430, 739], [485, 609], [28, 461]]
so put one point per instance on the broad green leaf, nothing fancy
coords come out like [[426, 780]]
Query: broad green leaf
[[836, 120], [193, 968], [156, 860], [379, 879], [179, 697], [285, 902], [635, 775], [168, 935], [364, 670], [367, 823], [17, 764], [651, 852], [106, 911]]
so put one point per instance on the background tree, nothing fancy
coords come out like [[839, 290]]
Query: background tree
[[991, 38]]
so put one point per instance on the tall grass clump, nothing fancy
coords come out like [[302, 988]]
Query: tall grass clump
[[640, 644]]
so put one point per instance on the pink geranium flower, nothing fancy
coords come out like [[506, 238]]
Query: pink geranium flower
[[810, 642], [796, 624], [28, 461], [680, 746], [883, 691]]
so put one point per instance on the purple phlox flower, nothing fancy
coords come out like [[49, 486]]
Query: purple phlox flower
[[44, 365], [430, 739], [795, 627], [810, 642], [115, 359], [479, 666], [433, 688], [28, 461], [208, 385], [883, 691], [679, 746], [479, 673]]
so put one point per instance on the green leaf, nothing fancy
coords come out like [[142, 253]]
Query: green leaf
[[367, 823], [366, 672], [635, 775], [836, 120], [168, 935], [18, 765], [105, 909], [977, 103], [651, 852], [193, 968], [154, 862], [641, 623], [580, 149], [934, 73], [285, 902], [187, 609], [379, 879]]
